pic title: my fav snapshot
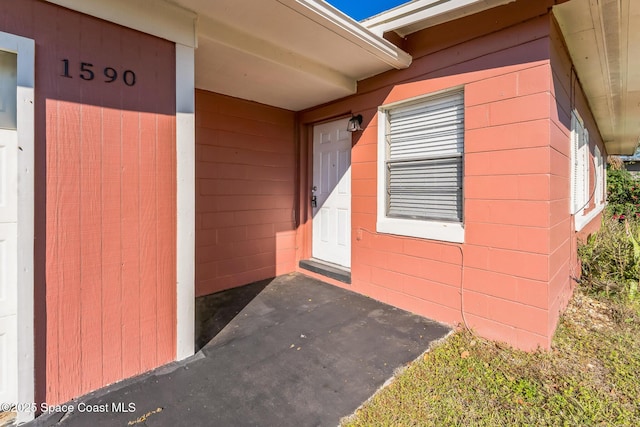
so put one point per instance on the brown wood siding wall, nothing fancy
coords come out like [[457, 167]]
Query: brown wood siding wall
[[105, 200], [245, 185]]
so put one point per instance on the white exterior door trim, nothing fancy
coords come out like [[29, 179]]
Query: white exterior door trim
[[25, 50], [186, 201]]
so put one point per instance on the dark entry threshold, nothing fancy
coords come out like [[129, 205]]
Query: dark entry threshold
[[333, 271]]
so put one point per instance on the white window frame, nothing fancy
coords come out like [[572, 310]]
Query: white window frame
[[600, 195], [579, 165], [582, 176], [449, 231]]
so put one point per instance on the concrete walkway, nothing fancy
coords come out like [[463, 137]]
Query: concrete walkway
[[300, 353]]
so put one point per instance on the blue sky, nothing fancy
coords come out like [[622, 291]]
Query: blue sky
[[361, 9]]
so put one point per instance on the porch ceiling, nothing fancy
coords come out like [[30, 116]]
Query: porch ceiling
[[292, 54], [603, 39]]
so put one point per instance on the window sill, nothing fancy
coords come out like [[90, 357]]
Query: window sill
[[582, 220], [433, 230]]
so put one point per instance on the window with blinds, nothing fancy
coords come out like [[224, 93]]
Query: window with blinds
[[588, 177], [424, 158], [580, 164]]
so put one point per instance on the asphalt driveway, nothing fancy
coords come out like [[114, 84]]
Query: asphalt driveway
[[299, 353]]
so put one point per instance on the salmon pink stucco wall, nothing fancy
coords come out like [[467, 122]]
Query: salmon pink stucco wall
[[245, 186], [105, 199], [511, 274]]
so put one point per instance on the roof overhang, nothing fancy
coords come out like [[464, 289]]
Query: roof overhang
[[603, 39], [292, 54], [417, 15]]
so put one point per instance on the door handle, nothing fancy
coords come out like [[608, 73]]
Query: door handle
[[314, 202]]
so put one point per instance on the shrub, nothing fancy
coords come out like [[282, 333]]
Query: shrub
[[623, 193], [611, 259]]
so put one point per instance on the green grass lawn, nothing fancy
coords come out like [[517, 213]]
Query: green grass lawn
[[590, 377]]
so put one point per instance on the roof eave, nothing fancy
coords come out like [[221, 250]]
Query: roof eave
[[602, 40], [420, 14], [322, 12]]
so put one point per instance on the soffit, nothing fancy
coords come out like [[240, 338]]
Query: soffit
[[292, 54], [605, 50]]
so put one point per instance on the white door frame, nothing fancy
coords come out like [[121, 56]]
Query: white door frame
[[186, 201], [24, 48]]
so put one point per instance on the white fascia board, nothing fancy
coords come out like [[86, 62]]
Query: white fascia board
[[424, 10], [331, 18], [224, 34], [156, 17]]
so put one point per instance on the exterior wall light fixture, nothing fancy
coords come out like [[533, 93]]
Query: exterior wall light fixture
[[354, 123]]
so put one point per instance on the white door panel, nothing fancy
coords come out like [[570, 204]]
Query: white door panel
[[8, 359], [8, 229], [8, 270], [8, 176], [332, 183]]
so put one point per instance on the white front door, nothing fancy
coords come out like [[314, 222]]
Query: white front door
[[8, 228], [332, 191]]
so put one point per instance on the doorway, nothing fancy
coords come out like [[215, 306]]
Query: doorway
[[331, 193]]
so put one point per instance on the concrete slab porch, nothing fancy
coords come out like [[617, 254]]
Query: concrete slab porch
[[299, 353]]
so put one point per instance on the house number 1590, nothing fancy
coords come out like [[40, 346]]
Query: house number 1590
[[110, 74]]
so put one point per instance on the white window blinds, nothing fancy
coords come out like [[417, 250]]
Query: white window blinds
[[580, 164], [424, 162]]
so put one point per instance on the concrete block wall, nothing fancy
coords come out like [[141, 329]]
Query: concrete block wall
[[515, 257], [245, 185], [508, 206], [567, 95]]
